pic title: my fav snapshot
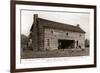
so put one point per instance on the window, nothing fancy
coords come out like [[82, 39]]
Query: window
[[67, 33], [51, 31], [48, 42], [77, 43], [80, 35]]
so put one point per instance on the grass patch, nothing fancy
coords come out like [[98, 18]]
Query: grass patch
[[55, 53]]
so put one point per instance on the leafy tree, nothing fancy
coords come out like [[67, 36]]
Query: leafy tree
[[87, 43], [24, 41]]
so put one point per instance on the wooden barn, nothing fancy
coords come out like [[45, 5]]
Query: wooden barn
[[50, 35]]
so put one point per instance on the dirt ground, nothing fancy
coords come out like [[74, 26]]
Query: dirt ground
[[55, 53]]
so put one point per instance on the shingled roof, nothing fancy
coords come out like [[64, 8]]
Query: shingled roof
[[58, 25]]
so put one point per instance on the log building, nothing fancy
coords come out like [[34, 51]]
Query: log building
[[49, 35]]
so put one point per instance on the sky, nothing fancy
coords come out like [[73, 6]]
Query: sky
[[72, 18]]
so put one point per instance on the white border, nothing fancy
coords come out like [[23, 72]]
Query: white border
[[50, 62]]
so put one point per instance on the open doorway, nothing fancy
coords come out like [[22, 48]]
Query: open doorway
[[66, 44]]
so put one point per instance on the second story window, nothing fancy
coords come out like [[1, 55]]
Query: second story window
[[51, 31], [80, 35]]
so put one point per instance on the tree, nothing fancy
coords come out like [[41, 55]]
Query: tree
[[87, 43], [24, 42]]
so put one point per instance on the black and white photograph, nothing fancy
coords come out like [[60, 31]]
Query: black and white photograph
[[48, 36]]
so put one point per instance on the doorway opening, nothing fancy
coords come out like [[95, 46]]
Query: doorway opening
[[66, 44]]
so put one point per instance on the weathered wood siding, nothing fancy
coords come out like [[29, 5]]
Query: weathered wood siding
[[41, 33], [54, 34]]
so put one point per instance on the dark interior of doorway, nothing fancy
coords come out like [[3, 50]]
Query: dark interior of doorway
[[66, 44]]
